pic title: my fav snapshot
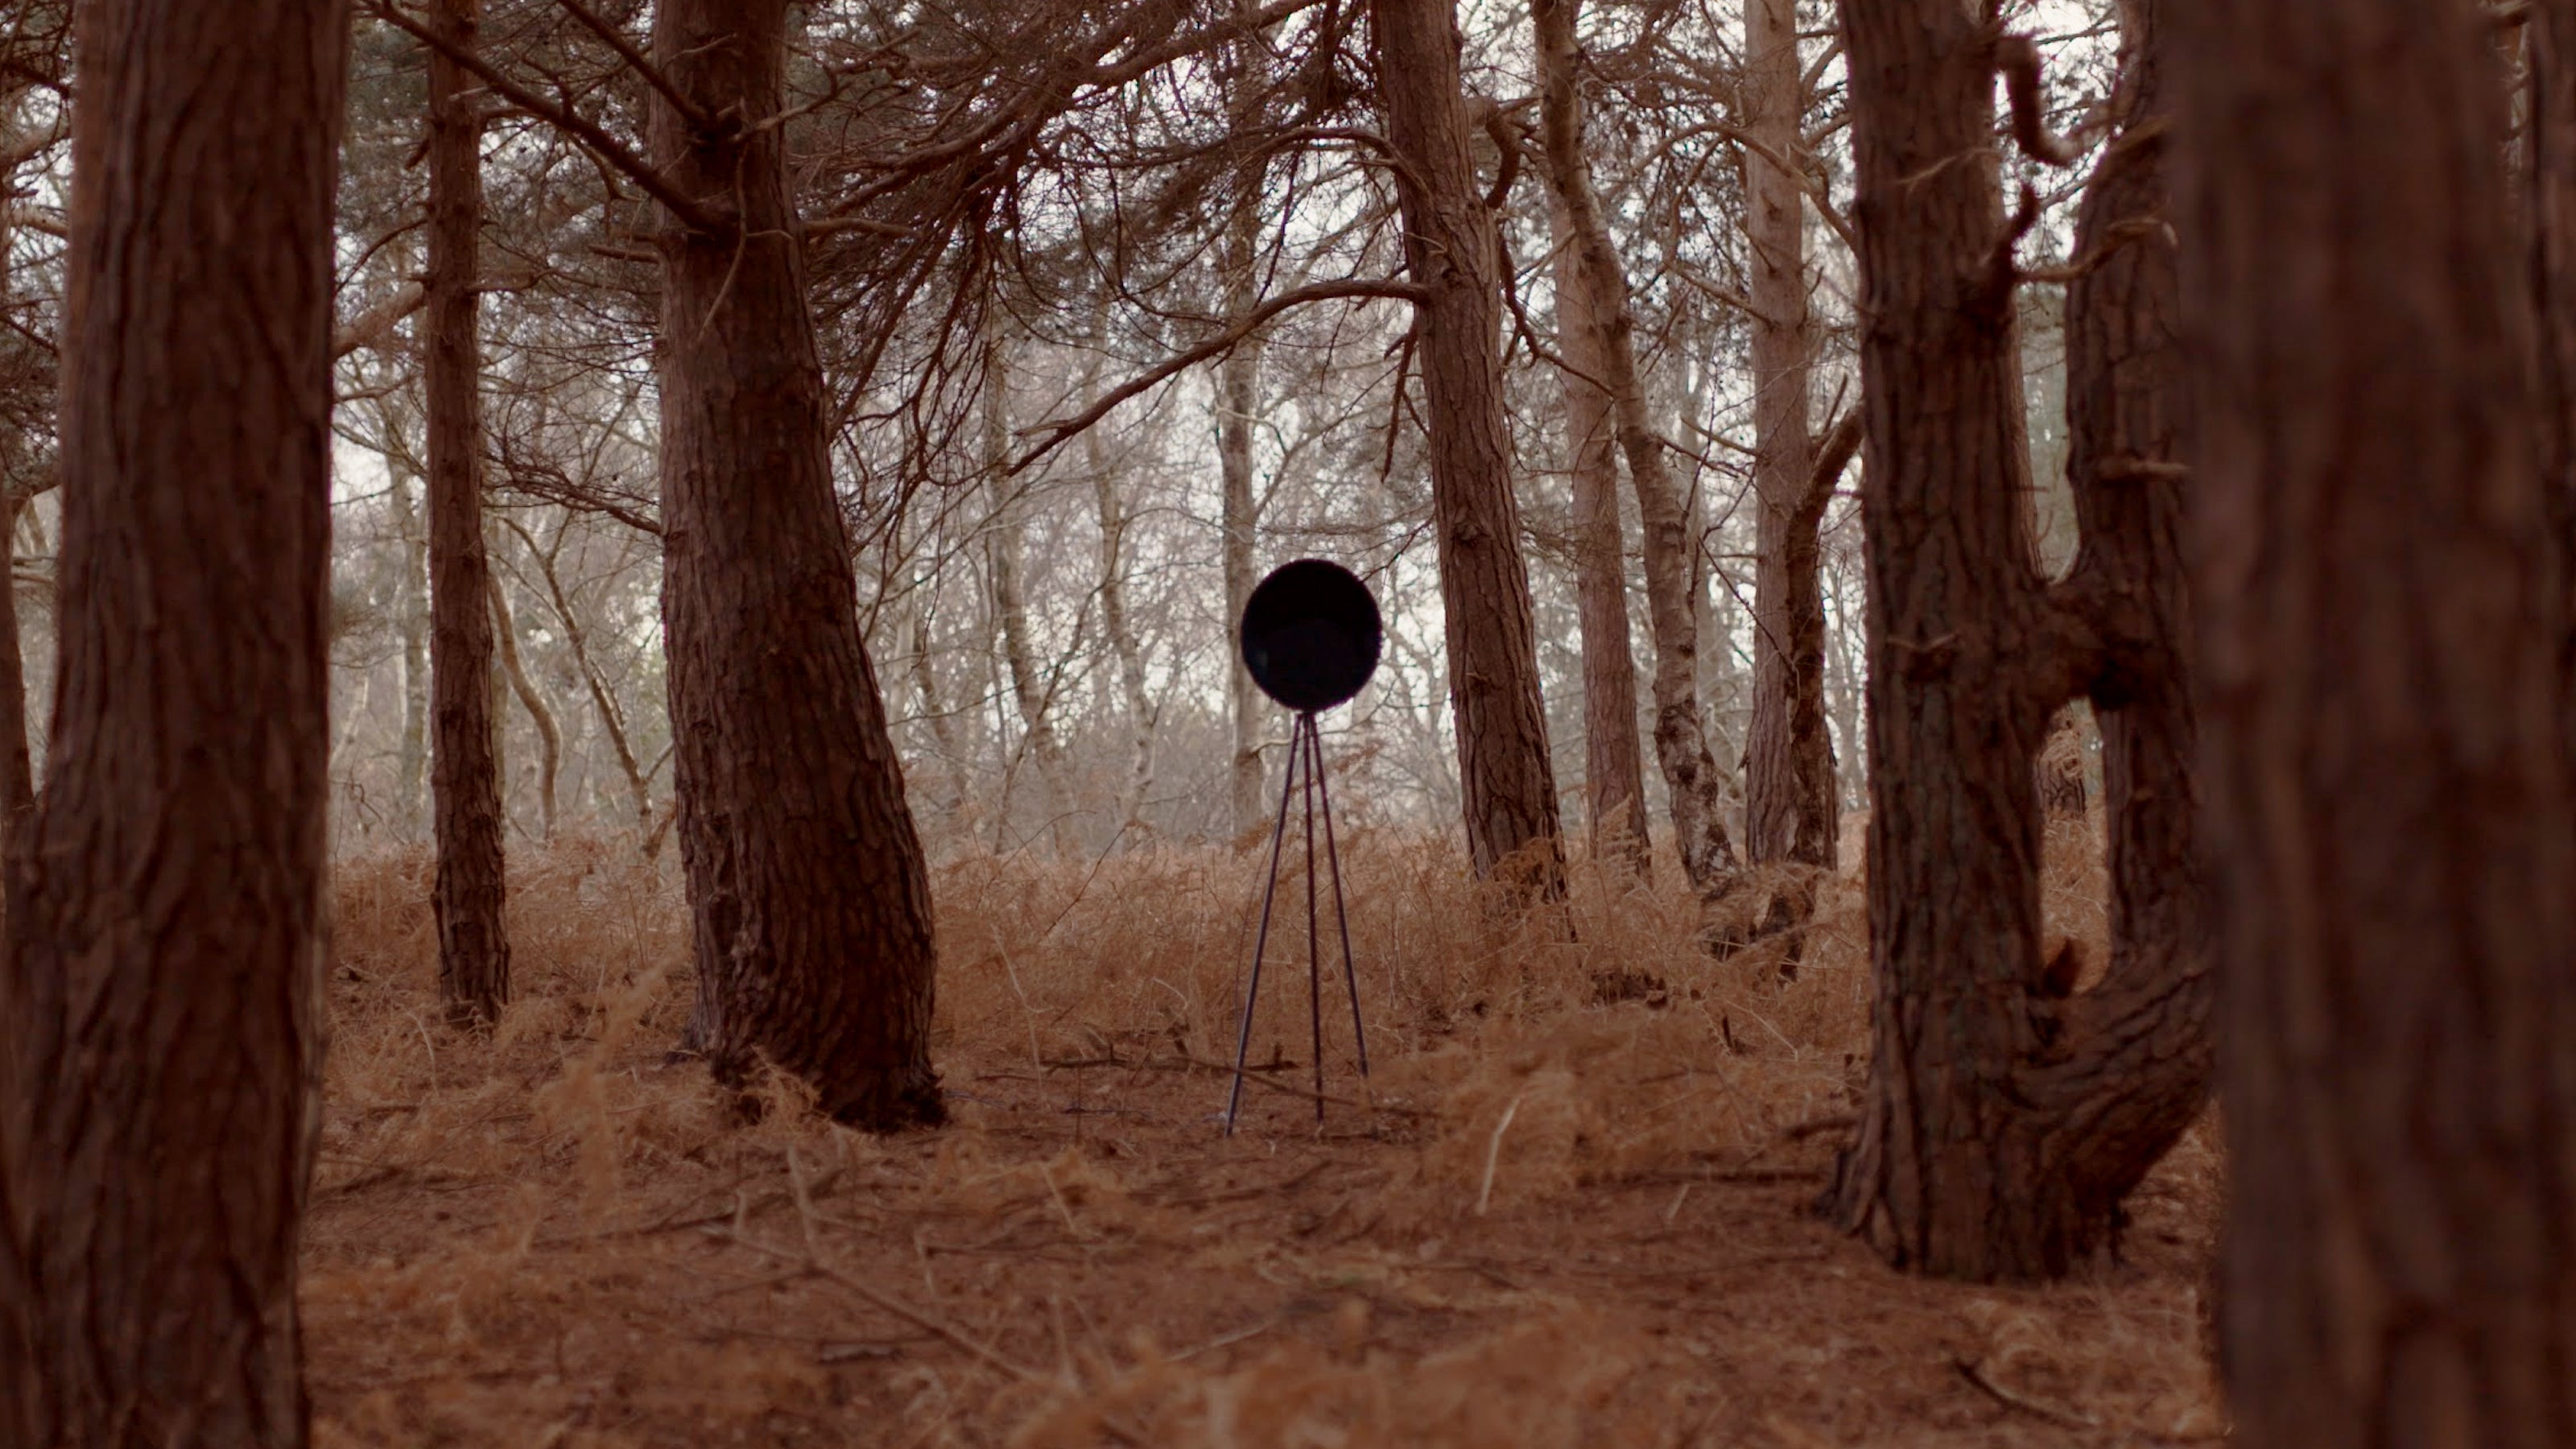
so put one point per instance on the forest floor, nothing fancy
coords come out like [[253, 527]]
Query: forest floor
[[1568, 1207]]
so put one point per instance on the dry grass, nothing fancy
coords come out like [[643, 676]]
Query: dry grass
[[1569, 1212]]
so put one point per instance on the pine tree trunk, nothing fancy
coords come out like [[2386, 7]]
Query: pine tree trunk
[[2003, 1121], [1614, 759], [809, 898], [1789, 798], [160, 1022], [473, 946], [2390, 822], [1449, 247], [1238, 406], [2549, 52], [17, 762], [1692, 781]]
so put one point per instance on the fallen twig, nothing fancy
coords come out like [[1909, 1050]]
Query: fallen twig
[[2062, 1418], [884, 1302]]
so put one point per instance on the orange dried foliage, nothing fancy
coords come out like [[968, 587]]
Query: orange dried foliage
[[1565, 1210]]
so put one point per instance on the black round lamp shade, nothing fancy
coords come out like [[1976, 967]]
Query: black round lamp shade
[[1311, 635]]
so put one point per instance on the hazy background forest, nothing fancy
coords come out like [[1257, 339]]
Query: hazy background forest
[[1911, 556], [972, 582]]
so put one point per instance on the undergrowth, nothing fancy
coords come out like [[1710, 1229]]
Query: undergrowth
[[1563, 1208]]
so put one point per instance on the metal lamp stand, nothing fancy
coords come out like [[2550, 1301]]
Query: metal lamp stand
[[1306, 757]]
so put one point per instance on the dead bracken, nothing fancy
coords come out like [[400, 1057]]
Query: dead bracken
[[1560, 1221]]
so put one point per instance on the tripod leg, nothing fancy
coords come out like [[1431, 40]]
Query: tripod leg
[[1261, 937], [1314, 956], [1333, 854]]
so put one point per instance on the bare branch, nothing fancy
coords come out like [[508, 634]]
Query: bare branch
[[1242, 327], [2017, 57], [370, 328], [636, 60], [562, 117]]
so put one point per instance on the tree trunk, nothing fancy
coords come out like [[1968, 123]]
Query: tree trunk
[[1691, 777], [411, 761], [1005, 551], [1789, 812], [809, 899], [934, 707], [1449, 250], [533, 700], [160, 1017], [1123, 646], [2549, 52], [1238, 404], [1614, 775], [2390, 822], [17, 762], [1851, 764], [612, 721], [2004, 1121], [473, 946]]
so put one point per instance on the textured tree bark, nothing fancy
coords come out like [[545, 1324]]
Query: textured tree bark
[[1449, 250], [2004, 1122], [809, 899], [1692, 781], [1238, 405], [1504, 771], [2549, 54], [160, 1021], [17, 763], [2390, 822], [1789, 798], [1614, 777], [465, 777]]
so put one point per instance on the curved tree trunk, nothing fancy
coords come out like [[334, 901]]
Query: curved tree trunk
[[505, 630], [2003, 1122], [465, 775], [612, 720], [1691, 777], [809, 899], [2390, 821], [160, 1022]]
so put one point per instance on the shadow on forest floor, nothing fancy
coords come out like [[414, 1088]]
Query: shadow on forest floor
[[1565, 1214]]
